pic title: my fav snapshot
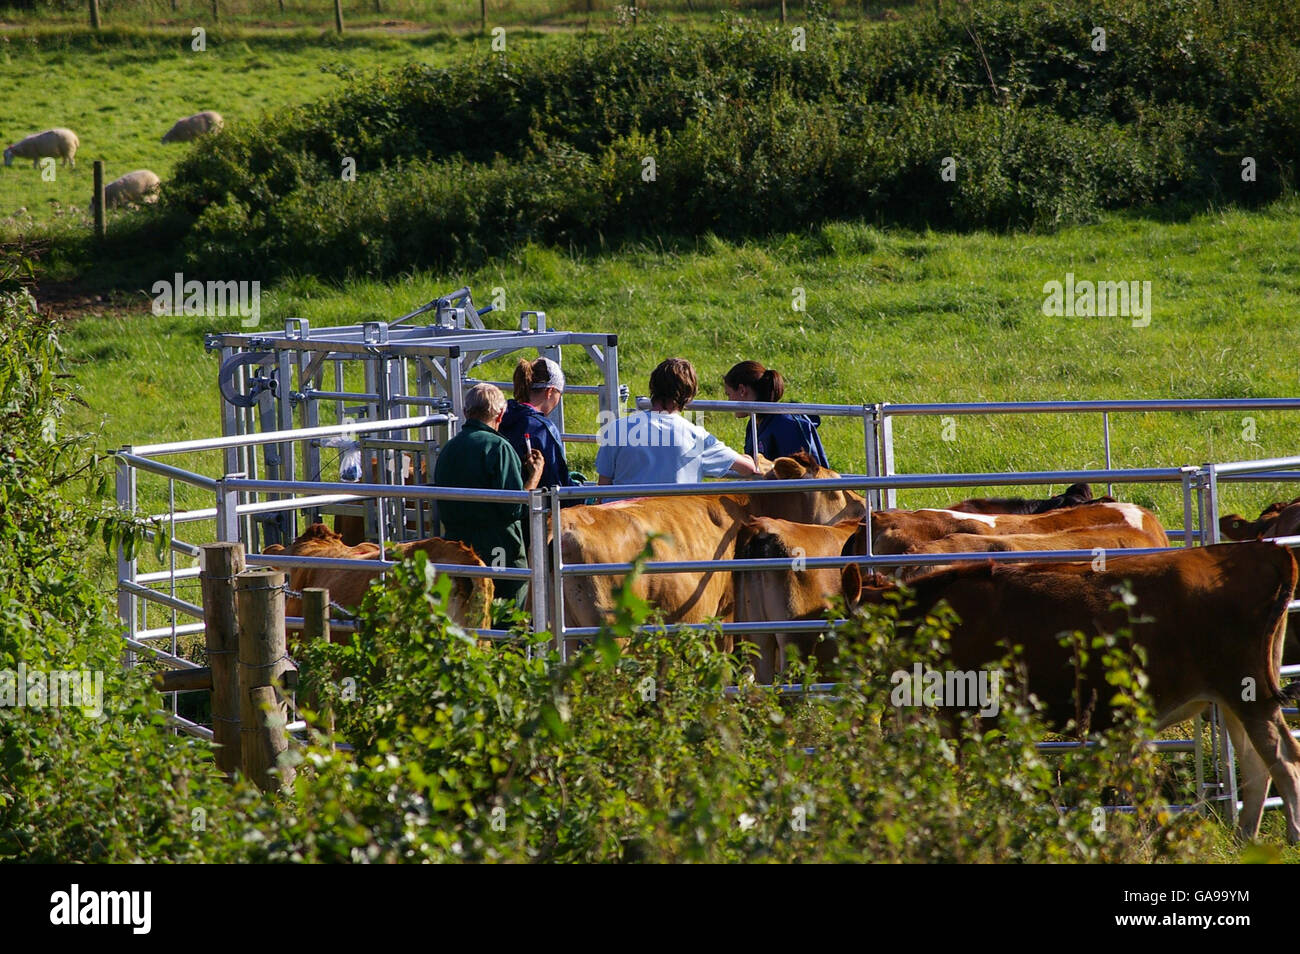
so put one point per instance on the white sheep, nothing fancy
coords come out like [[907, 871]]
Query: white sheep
[[192, 127], [57, 143], [139, 186]]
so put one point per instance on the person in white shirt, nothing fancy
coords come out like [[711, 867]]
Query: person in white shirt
[[659, 446]]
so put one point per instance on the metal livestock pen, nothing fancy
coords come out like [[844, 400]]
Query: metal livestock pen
[[272, 395]]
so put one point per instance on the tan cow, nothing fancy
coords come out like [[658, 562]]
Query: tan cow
[[695, 527], [1115, 537], [896, 531], [1215, 618], [471, 597], [793, 593]]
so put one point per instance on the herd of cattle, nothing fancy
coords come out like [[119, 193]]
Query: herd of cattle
[[1214, 619]]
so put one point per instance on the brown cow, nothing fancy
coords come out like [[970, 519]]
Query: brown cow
[[1115, 537], [693, 528], [1276, 520], [470, 602], [1074, 495], [792, 593], [1216, 617], [895, 531]]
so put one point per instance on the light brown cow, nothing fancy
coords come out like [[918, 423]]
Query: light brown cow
[[695, 527], [1116, 537], [470, 602], [1216, 617], [793, 593], [896, 531]]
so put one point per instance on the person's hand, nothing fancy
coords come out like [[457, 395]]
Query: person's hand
[[532, 469], [762, 464]]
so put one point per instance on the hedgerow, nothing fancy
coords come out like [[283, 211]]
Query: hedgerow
[[751, 132]]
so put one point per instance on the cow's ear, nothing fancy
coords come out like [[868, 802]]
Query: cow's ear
[[785, 468], [851, 585]]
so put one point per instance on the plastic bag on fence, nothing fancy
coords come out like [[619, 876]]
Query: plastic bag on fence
[[349, 457]]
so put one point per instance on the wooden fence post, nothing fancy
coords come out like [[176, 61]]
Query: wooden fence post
[[97, 199], [316, 626], [259, 599], [216, 13], [782, 11], [221, 563], [482, 16], [338, 16], [94, 14]]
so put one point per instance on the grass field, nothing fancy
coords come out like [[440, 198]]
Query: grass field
[[122, 91]]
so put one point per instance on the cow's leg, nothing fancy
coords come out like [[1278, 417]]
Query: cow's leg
[[1273, 743], [1254, 777]]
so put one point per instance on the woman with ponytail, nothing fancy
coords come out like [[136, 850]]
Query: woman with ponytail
[[779, 435], [539, 385]]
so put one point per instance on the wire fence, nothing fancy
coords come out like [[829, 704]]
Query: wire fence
[[457, 15]]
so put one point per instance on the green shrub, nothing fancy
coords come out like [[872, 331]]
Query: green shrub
[[749, 134]]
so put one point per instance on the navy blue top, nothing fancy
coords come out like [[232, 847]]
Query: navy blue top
[[521, 419], [783, 435]]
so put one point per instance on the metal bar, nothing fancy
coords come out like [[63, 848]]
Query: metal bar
[[167, 659], [829, 562], [1189, 476], [187, 516], [857, 482], [537, 558], [274, 437], [193, 609], [341, 563], [191, 728], [871, 445], [1002, 407], [126, 569], [386, 490], [166, 470], [1254, 466], [164, 632], [1212, 500], [160, 576], [557, 577], [1105, 436], [890, 495]]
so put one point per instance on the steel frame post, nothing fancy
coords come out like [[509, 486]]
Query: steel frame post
[[557, 578], [125, 493], [890, 498], [871, 445], [537, 557]]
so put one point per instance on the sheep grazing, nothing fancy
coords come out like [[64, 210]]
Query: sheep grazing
[[53, 143], [139, 186], [192, 127]]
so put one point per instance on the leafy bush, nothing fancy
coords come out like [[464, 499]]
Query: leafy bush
[[467, 752], [749, 134]]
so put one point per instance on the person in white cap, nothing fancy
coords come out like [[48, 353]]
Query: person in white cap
[[539, 385]]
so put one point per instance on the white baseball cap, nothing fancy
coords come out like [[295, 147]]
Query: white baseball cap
[[554, 377]]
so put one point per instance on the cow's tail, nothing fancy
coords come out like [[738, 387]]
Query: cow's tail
[[1279, 616]]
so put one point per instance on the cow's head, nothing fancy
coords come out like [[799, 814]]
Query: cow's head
[[859, 590], [1074, 495], [818, 506]]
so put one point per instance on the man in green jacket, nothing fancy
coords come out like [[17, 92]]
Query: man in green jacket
[[481, 458]]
